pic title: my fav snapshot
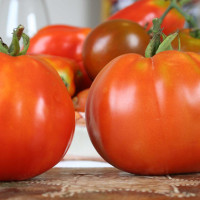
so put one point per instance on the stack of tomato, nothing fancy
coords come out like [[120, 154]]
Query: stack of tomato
[[142, 114]]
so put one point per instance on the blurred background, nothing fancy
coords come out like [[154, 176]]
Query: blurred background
[[34, 14], [84, 13]]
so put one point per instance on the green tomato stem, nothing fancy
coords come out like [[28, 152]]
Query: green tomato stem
[[14, 48], [3, 47], [174, 5], [156, 45], [155, 41]]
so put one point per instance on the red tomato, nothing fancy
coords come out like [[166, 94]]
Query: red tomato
[[144, 11], [65, 68], [111, 39], [187, 42], [82, 79], [37, 118], [59, 40], [65, 41], [80, 99], [143, 114]]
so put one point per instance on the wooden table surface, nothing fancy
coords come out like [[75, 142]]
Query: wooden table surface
[[102, 183]]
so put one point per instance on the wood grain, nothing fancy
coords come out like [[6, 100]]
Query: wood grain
[[102, 183]]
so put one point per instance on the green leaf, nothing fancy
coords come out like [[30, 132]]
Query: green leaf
[[166, 44], [14, 48], [155, 41], [3, 47], [164, 36], [152, 46], [26, 42]]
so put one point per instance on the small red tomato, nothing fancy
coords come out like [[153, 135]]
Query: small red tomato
[[111, 39], [64, 41], [59, 40], [79, 100], [144, 11], [82, 79]]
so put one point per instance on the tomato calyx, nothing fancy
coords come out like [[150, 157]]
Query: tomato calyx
[[177, 5], [157, 45], [160, 42], [14, 48]]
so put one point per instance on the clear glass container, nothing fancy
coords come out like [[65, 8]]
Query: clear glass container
[[32, 14]]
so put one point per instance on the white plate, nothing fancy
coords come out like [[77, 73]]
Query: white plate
[[81, 145], [82, 164]]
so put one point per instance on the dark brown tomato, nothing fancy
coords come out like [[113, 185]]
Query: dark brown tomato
[[111, 39]]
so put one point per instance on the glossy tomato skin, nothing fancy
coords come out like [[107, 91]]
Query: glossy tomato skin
[[64, 41], [143, 114], [65, 68], [187, 42], [36, 117], [111, 39], [144, 11], [59, 40], [80, 99]]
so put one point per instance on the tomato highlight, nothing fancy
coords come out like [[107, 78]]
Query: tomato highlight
[[37, 118]]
